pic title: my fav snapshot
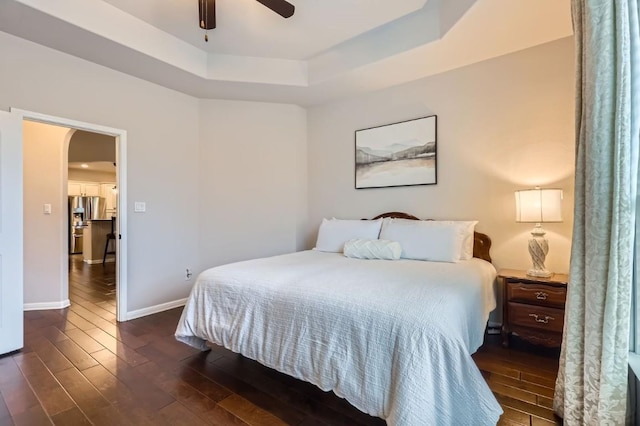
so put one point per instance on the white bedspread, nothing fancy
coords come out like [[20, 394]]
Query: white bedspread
[[392, 337]]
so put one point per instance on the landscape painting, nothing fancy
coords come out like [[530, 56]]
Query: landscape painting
[[398, 154]]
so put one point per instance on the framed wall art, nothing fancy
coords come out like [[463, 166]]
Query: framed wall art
[[397, 154]]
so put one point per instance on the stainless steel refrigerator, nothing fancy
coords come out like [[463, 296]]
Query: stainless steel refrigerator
[[82, 209]]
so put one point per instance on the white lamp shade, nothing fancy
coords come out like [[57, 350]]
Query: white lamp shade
[[539, 205]]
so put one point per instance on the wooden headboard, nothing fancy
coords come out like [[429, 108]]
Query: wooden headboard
[[481, 242]]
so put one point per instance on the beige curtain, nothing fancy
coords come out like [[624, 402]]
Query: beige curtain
[[591, 388]]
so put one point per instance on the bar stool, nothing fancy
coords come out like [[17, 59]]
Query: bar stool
[[110, 236]]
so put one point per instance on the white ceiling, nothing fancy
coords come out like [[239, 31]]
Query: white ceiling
[[327, 50], [247, 28], [94, 166]]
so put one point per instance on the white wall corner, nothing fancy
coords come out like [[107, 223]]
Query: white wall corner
[[43, 306]]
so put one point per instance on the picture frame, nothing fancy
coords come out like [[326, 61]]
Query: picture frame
[[397, 154]]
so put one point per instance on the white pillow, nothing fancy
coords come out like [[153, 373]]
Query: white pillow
[[467, 227], [335, 232], [373, 249], [426, 240]]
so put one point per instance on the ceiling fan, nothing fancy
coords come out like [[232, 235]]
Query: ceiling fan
[[207, 12]]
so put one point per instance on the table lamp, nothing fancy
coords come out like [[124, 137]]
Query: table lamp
[[539, 206]]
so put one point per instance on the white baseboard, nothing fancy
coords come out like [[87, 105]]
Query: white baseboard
[[43, 306], [95, 261], [155, 309]]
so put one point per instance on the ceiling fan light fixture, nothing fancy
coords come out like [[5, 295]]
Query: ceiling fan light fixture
[[207, 12], [281, 7], [207, 16]]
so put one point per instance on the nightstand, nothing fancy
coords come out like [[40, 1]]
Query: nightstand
[[533, 307]]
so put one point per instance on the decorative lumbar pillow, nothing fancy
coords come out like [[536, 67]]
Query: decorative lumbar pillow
[[372, 249], [426, 240], [334, 233]]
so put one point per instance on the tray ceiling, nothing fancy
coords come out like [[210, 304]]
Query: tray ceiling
[[246, 28], [327, 50]]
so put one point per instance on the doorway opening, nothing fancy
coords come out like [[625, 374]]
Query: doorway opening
[[77, 187], [91, 214]]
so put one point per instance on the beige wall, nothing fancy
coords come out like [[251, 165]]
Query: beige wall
[[253, 169], [227, 180], [44, 151], [503, 124], [86, 147], [222, 180], [163, 241]]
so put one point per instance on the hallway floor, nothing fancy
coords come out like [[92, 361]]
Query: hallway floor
[[92, 284]]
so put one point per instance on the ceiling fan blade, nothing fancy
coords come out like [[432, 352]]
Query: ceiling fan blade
[[207, 14], [281, 7]]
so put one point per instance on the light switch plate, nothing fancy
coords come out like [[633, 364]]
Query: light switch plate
[[139, 207], [47, 209]]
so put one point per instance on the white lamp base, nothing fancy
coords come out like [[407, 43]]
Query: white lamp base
[[538, 249], [539, 274]]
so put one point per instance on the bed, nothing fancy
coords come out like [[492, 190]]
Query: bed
[[394, 338]]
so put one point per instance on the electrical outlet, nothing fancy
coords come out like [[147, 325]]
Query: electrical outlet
[[188, 274]]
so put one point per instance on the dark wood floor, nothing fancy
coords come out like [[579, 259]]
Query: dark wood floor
[[81, 367]]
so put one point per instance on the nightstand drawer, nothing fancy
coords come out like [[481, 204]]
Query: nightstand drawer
[[539, 317], [538, 294]]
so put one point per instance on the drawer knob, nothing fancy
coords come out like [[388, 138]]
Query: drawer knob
[[541, 295], [542, 318]]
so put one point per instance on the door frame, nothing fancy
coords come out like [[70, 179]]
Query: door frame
[[121, 182]]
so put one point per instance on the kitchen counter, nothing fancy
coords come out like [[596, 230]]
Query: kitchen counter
[[95, 237]]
